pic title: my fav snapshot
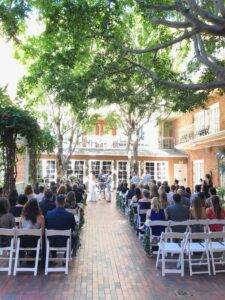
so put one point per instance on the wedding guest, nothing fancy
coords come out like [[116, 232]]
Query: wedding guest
[[17, 209], [29, 192], [40, 194], [215, 211]]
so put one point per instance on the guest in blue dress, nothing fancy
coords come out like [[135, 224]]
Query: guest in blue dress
[[156, 213]]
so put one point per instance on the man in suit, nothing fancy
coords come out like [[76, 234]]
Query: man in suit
[[60, 219], [178, 212]]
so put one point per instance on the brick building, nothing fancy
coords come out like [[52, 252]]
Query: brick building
[[184, 147]]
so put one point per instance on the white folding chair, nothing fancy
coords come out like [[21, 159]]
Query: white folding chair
[[217, 245], [171, 243], [217, 222], [194, 223], [154, 239], [177, 225], [7, 238], [198, 243], [27, 233], [67, 249], [76, 213]]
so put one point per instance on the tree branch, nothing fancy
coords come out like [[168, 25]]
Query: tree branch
[[178, 85], [186, 35], [172, 24]]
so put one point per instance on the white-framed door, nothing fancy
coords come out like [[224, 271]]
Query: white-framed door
[[122, 170], [78, 168], [198, 171], [98, 165], [180, 173], [49, 169]]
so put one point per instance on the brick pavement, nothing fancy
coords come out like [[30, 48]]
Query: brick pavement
[[111, 264]]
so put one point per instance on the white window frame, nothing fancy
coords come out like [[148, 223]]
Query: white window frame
[[160, 162], [52, 176], [127, 170], [80, 173]]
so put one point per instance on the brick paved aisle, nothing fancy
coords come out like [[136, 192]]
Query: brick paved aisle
[[111, 264]]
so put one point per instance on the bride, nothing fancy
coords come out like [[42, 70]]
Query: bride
[[92, 188]]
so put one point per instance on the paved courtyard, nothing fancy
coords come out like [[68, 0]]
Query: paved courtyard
[[111, 264]]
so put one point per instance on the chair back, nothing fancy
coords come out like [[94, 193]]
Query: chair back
[[7, 232], [53, 232], [158, 223], [28, 232], [173, 235], [216, 222], [17, 220], [220, 235], [197, 236]]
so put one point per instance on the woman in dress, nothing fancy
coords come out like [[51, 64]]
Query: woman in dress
[[92, 188]]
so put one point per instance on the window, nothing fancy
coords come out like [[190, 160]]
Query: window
[[198, 171], [50, 170], [207, 121], [106, 166], [214, 119], [157, 170], [95, 167], [150, 168], [79, 169], [122, 170]]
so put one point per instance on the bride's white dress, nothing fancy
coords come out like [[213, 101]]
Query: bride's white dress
[[92, 190]]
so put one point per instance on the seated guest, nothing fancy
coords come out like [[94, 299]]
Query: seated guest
[[170, 194], [153, 191], [143, 204], [161, 189], [201, 195], [197, 212], [71, 200], [32, 217], [28, 191], [61, 190], [176, 183], [198, 188], [137, 195], [178, 212], [60, 219], [184, 200], [188, 192], [41, 194], [79, 193], [215, 211], [124, 188], [212, 192], [47, 203], [156, 213], [131, 192], [18, 208], [13, 197], [7, 220], [163, 200]]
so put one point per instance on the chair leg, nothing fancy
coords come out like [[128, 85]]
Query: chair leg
[[47, 257], [213, 262], [10, 257], [189, 260], [37, 258], [67, 257], [208, 262], [163, 263], [182, 263], [158, 256], [17, 256]]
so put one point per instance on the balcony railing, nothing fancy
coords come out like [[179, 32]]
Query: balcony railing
[[166, 143], [192, 132], [105, 143]]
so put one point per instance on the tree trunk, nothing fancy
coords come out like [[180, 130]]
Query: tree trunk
[[33, 163], [59, 157], [9, 159], [135, 152]]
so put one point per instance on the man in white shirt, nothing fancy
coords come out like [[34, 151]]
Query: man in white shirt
[[41, 194], [146, 178]]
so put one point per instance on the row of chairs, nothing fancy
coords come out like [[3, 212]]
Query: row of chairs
[[12, 247], [208, 245]]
